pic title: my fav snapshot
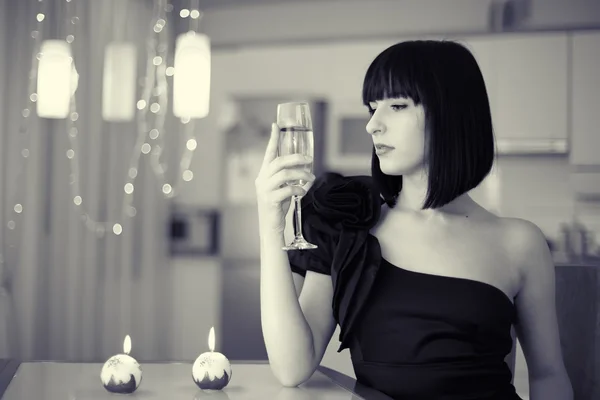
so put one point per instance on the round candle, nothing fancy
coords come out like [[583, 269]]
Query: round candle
[[211, 370], [122, 373]]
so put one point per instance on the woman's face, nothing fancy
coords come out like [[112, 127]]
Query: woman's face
[[397, 127]]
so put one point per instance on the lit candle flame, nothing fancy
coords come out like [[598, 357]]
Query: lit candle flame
[[127, 344], [211, 339]]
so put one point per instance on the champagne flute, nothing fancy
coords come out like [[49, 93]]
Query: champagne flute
[[296, 137]]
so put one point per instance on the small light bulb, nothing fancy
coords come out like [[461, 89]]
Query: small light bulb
[[117, 229]]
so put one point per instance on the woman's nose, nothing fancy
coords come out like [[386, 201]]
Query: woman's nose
[[374, 126]]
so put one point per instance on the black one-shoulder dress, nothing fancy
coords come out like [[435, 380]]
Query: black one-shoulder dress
[[410, 335]]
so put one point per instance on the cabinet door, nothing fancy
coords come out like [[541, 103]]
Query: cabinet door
[[531, 93], [585, 86]]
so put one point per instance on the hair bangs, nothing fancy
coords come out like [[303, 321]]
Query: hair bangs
[[391, 75]]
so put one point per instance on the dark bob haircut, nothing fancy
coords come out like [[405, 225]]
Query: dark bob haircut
[[444, 77]]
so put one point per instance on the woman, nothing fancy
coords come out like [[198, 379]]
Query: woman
[[424, 282]]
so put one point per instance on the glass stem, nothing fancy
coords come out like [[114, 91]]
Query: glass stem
[[298, 216]]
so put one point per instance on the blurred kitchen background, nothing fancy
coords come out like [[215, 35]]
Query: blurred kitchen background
[[127, 182]]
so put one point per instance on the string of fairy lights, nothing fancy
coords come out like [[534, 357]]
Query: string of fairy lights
[[15, 197], [155, 99], [151, 116], [151, 136]]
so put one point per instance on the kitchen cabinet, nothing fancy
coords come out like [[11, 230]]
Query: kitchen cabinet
[[530, 94], [526, 77], [585, 94]]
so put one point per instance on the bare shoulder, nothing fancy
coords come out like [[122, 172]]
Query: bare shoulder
[[522, 227], [522, 238], [527, 246], [525, 237]]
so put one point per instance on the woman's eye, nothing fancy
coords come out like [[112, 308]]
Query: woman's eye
[[397, 107]]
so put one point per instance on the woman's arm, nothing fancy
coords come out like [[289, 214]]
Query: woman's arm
[[296, 329], [537, 325]]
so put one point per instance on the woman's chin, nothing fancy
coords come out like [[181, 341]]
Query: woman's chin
[[393, 169], [396, 168]]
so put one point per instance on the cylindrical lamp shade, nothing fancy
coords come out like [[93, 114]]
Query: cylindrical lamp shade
[[55, 80], [191, 81], [119, 82]]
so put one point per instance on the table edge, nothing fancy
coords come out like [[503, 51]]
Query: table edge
[[346, 382]]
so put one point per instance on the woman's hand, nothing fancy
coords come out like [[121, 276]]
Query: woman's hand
[[272, 193]]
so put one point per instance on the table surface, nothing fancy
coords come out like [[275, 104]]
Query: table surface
[[250, 380]]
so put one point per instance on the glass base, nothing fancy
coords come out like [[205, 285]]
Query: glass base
[[299, 243]]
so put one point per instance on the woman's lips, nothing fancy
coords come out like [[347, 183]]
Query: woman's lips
[[382, 149]]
